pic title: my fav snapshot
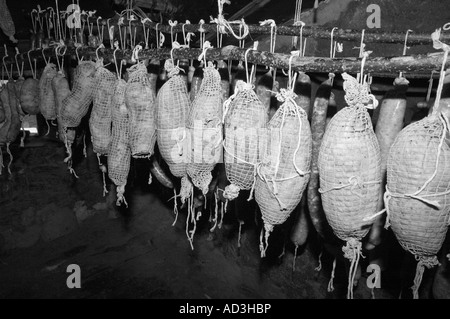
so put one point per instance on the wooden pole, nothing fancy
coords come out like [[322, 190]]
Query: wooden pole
[[417, 66], [316, 32]]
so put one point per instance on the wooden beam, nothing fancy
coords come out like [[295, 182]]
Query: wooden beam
[[418, 66], [370, 36]]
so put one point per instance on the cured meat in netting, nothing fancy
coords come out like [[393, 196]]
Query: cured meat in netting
[[140, 102]]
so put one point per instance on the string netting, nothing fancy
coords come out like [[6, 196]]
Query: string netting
[[205, 130], [101, 115], [119, 157], [350, 172], [47, 99], [173, 106], [4, 127], [61, 90], [76, 104], [244, 120], [17, 87], [140, 102], [285, 169], [29, 96], [417, 197], [16, 124]]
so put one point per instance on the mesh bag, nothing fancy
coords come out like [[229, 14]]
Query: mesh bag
[[17, 87], [14, 128], [417, 194], [61, 90], [350, 174], [29, 96], [244, 119], [171, 116], [4, 127], [101, 115], [140, 101], [205, 130], [76, 105], [284, 171], [47, 100], [119, 157]]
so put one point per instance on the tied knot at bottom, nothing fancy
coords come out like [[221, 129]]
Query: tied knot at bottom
[[423, 261], [231, 192]]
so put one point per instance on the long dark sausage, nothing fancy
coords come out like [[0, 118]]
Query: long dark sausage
[[318, 124], [390, 123]]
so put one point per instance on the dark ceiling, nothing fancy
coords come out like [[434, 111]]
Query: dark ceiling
[[193, 10]]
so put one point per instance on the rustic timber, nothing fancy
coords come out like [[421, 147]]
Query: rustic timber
[[370, 36], [417, 66]]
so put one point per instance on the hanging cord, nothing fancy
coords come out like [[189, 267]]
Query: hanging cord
[[352, 251], [111, 33], [130, 27], [68, 159], [118, 69], [33, 21], [430, 86], [423, 262], [333, 44], [146, 32], [405, 47], [103, 170], [33, 70], [207, 45], [319, 267], [76, 53], [11, 158], [100, 31], [135, 54], [58, 53], [121, 196], [330, 283], [122, 41], [225, 25], [191, 218], [202, 33], [273, 39], [297, 19], [437, 44], [173, 24], [187, 36]]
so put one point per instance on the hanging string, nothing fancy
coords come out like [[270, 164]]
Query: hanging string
[[225, 25], [146, 32], [172, 24], [119, 24], [437, 44], [132, 36], [11, 158], [352, 251], [330, 283], [423, 262], [104, 171], [430, 86], [118, 69], [297, 14], [111, 33], [319, 267], [33, 70], [33, 21], [100, 31]]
